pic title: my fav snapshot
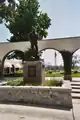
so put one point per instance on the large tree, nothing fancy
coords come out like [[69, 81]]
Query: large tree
[[24, 20]]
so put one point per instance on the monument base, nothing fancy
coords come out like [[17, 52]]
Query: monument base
[[33, 72]]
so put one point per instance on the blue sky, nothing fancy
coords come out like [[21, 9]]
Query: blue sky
[[65, 21], [65, 15]]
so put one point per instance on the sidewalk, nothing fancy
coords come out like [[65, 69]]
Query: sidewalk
[[76, 109], [21, 112], [24, 112]]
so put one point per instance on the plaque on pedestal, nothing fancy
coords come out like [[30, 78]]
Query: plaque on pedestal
[[31, 71]]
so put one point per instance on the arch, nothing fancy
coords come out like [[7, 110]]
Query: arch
[[6, 56], [75, 51], [76, 59], [54, 50], [48, 48]]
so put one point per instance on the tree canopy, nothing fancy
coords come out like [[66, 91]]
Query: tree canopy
[[22, 18]]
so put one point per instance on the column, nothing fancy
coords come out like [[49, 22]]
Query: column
[[1, 72], [67, 58]]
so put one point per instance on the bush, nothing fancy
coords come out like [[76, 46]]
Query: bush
[[17, 82], [62, 73], [75, 72], [49, 72], [20, 82], [53, 83]]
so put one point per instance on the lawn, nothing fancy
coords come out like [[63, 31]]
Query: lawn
[[53, 74], [57, 74]]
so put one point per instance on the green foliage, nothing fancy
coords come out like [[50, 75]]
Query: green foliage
[[30, 55], [19, 82], [75, 60], [76, 75], [19, 71], [53, 83], [24, 17], [57, 74]]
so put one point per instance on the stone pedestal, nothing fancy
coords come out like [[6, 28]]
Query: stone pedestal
[[33, 72]]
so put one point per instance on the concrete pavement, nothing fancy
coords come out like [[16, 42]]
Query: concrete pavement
[[76, 108], [19, 112]]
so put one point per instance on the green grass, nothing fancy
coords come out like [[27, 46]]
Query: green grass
[[76, 75], [19, 82], [53, 74], [60, 75], [19, 71]]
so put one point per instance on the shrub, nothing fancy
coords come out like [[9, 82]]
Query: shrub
[[75, 72], [50, 72], [62, 73], [53, 83], [20, 82], [17, 82]]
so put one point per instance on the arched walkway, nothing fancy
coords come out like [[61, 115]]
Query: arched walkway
[[15, 53], [76, 63], [53, 62], [51, 55]]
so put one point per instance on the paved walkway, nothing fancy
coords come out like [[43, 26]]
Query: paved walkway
[[19, 112], [76, 110]]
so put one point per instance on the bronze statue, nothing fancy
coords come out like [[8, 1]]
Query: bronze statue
[[33, 38]]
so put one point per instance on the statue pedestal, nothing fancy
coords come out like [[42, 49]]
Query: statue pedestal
[[33, 72]]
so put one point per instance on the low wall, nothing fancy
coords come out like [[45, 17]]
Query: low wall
[[59, 96]]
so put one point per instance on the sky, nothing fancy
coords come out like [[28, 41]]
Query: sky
[[65, 22]]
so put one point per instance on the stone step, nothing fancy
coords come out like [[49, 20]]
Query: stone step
[[75, 83], [76, 101], [75, 90], [76, 96], [75, 80], [75, 87]]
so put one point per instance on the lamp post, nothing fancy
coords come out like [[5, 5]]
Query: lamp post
[[55, 54]]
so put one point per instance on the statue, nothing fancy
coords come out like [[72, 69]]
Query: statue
[[33, 40], [33, 37]]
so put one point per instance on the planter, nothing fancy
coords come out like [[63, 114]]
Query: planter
[[52, 96]]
